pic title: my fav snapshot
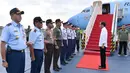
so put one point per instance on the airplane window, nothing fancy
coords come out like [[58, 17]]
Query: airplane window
[[86, 11], [83, 11]]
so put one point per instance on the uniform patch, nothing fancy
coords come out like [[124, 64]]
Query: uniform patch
[[16, 37], [8, 24], [35, 30], [15, 31]]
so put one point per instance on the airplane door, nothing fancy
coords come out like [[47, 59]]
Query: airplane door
[[106, 9]]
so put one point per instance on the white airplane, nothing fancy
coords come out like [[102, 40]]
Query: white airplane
[[82, 19]]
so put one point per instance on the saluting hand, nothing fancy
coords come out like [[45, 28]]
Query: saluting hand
[[5, 64]]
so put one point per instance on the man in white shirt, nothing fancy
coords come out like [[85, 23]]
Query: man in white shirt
[[103, 45], [73, 41], [69, 39], [64, 47]]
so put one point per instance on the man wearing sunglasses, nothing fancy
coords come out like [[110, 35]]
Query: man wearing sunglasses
[[36, 40], [57, 34], [49, 42]]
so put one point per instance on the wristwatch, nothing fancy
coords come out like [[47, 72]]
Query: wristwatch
[[3, 60]]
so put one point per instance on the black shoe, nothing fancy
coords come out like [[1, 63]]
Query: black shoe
[[56, 69], [63, 64], [72, 57], [47, 72], [69, 59], [66, 62], [59, 68], [100, 67], [74, 54]]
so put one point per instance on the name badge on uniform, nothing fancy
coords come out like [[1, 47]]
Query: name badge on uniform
[[40, 37], [15, 31], [16, 37]]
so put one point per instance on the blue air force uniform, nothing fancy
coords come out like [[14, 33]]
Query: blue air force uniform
[[69, 37], [73, 41], [72, 37], [64, 48], [37, 39], [14, 36]]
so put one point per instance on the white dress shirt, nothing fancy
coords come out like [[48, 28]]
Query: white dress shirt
[[64, 33], [69, 33], [73, 34], [103, 37]]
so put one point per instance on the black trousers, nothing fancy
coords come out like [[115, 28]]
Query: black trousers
[[123, 44], [48, 57], [56, 54], [103, 56], [77, 44]]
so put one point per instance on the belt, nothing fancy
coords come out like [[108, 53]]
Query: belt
[[69, 39], [58, 40], [38, 49], [49, 44], [11, 50]]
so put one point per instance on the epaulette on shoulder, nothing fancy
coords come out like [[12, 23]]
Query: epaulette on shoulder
[[35, 30], [8, 24]]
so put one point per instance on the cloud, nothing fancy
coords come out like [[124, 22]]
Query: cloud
[[53, 9]]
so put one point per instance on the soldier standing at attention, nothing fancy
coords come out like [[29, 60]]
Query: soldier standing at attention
[[78, 36], [57, 34], [64, 48], [13, 36], [36, 40], [74, 40], [49, 42], [69, 37], [123, 40]]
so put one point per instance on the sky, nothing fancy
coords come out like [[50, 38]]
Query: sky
[[63, 9]]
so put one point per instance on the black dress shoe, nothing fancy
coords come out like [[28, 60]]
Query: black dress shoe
[[56, 69], [66, 62], [72, 56], [47, 72], [59, 68], [69, 59], [63, 64], [100, 67]]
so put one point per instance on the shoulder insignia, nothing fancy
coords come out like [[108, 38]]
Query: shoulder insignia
[[8, 24], [35, 30]]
